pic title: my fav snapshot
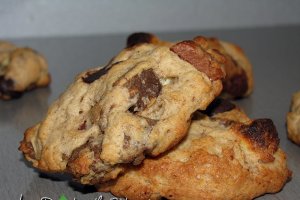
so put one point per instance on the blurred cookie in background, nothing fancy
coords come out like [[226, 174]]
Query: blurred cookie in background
[[21, 69], [293, 119]]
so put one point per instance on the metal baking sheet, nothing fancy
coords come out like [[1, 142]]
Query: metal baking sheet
[[274, 53]]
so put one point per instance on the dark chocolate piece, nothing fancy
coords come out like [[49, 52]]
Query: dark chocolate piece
[[7, 89], [237, 85], [146, 86], [90, 77], [263, 133], [192, 53], [82, 126], [138, 38], [127, 139], [219, 105]]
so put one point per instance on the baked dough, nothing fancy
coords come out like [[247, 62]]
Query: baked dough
[[140, 103], [224, 156], [21, 70], [293, 119]]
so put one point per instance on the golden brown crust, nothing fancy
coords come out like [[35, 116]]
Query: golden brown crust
[[225, 178], [215, 161], [26, 144], [293, 119], [27, 148], [262, 135], [21, 70]]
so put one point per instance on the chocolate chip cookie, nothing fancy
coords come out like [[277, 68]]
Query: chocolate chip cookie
[[21, 70], [139, 105], [225, 155], [293, 119]]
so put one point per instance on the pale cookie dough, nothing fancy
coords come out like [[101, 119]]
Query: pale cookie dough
[[140, 104]]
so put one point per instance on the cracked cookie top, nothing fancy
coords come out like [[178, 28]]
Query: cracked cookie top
[[140, 104]]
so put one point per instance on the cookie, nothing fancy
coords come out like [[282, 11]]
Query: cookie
[[139, 104], [21, 70], [239, 77], [293, 119], [222, 157]]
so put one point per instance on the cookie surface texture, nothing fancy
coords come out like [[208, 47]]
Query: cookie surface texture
[[139, 104]]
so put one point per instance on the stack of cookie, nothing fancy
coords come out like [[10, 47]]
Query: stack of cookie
[[150, 125]]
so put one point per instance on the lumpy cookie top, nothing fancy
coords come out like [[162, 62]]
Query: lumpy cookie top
[[139, 104], [238, 82]]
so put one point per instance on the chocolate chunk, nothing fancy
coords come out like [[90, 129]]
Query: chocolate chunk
[[31, 86], [151, 122], [163, 198], [263, 135], [7, 88], [237, 85], [77, 153], [218, 106], [139, 38], [139, 159], [82, 126], [146, 86], [192, 53], [132, 109], [97, 149], [92, 76], [235, 82], [65, 157], [126, 143]]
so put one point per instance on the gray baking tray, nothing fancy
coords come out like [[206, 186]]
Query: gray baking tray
[[274, 53]]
